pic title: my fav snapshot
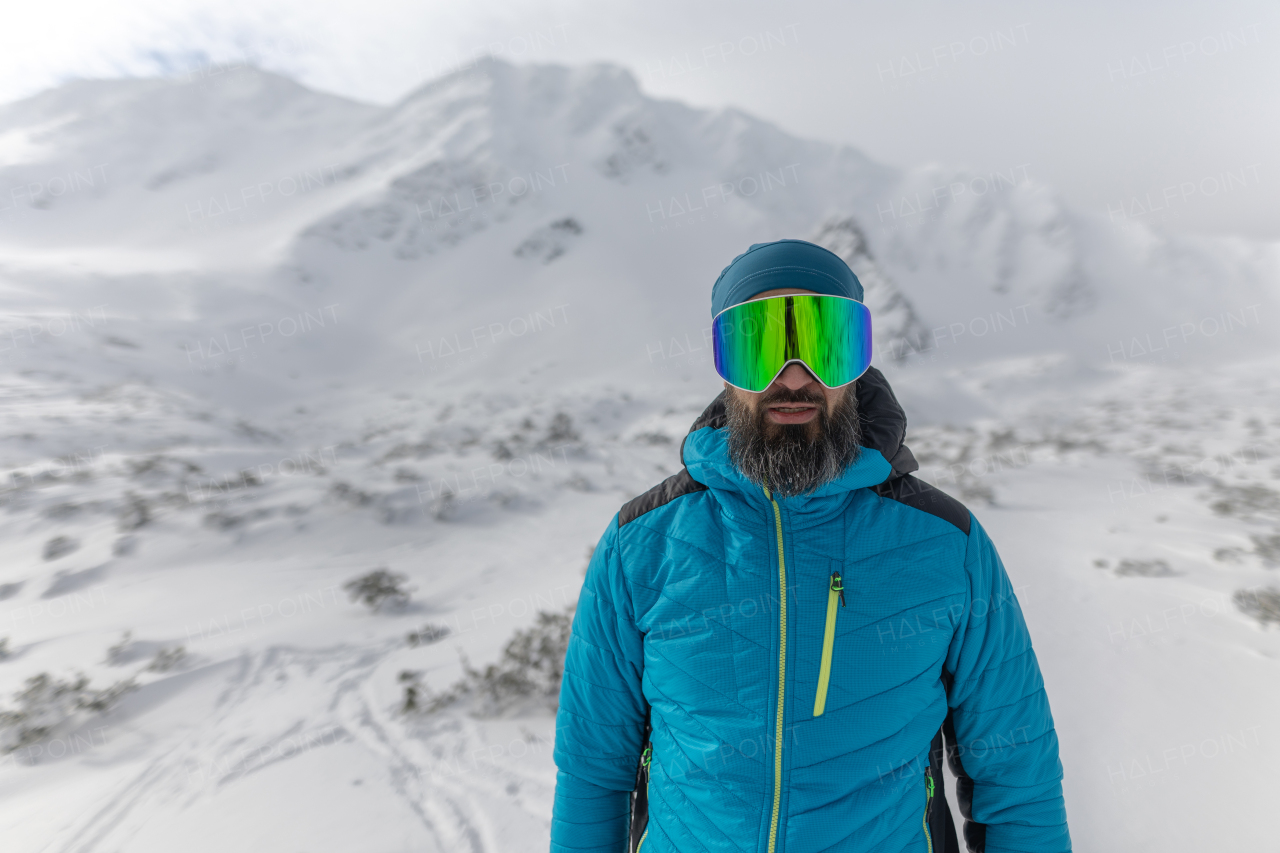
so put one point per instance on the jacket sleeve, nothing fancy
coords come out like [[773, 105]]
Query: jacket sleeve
[[1005, 750], [600, 721]]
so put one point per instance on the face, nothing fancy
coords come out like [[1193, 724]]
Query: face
[[796, 434]]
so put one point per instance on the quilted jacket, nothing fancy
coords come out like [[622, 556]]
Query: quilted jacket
[[749, 672]]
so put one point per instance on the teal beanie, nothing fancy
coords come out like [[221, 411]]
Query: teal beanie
[[783, 263]]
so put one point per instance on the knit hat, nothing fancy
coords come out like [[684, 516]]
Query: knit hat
[[783, 263]]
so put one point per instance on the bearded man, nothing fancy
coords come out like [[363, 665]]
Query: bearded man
[[775, 648]]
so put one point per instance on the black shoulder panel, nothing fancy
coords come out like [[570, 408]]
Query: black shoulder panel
[[663, 493], [919, 494]]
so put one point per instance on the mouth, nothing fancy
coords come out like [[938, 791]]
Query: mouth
[[792, 413]]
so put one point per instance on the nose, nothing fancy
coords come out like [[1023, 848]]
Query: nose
[[795, 377]]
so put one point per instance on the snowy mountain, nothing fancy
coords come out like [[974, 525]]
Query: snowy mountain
[[260, 340], [503, 192]]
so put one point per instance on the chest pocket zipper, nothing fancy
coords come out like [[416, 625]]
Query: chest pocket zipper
[[835, 592]]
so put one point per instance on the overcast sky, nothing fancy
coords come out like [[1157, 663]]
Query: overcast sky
[[1114, 104]]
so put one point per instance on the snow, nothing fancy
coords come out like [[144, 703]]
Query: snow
[[280, 339]]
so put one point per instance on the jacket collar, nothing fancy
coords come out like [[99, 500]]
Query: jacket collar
[[705, 453]]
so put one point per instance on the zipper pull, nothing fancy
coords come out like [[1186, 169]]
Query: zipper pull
[[837, 585], [928, 782], [645, 758]]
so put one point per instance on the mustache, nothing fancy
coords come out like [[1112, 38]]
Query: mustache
[[782, 396]]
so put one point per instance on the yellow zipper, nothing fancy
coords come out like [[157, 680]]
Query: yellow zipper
[[642, 838], [836, 592], [782, 673]]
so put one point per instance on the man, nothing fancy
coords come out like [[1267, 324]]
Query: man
[[786, 636]]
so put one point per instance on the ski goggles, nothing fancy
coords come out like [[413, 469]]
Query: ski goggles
[[754, 341]]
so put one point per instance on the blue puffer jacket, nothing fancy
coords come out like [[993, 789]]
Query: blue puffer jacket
[[803, 663]]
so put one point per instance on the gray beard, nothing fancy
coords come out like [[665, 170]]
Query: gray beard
[[793, 459]]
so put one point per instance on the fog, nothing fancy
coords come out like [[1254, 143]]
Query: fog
[[333, 336]]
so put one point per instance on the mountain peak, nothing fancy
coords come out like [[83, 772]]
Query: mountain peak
[[499, 80]]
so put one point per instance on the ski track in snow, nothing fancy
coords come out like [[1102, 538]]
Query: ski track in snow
[[168, 776], [455, 808]]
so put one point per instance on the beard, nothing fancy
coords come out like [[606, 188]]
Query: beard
[[793, 459]]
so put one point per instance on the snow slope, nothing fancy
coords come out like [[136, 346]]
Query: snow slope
[[258, 340]]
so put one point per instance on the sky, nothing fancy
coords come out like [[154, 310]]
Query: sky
[[1167, 113]]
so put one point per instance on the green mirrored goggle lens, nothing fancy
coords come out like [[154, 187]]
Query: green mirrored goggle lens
[[753, 341]]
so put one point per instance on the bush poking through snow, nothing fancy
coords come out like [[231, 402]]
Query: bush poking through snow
[[48, 703], [1267, 547], [561, 429], [413, 691], [167, 658], [119, 653], [135, 512], [163, 658], [1248, 502], [527, 673], [428, 634], [971, 490], [60, 546], [1144, 569], [1262, 603], [378, 589], [4, 648], [348, 493]]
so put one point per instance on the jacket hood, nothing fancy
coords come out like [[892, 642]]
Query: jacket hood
[[705, 453]]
